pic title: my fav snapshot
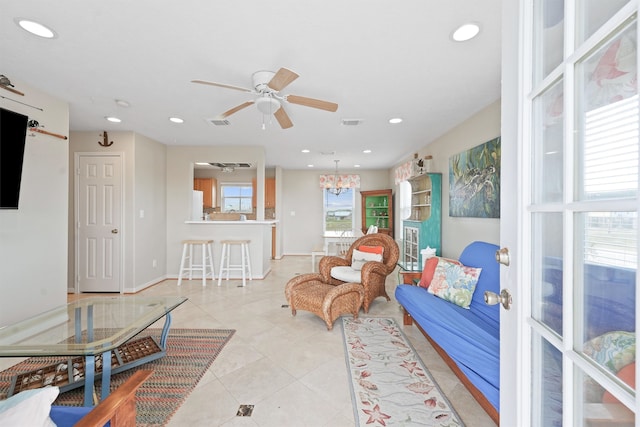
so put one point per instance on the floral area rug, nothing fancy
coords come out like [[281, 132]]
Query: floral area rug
[[390, 385]]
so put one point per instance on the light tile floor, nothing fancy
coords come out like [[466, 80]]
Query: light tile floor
[[291, 368]]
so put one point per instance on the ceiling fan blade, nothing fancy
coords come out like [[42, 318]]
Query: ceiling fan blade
[[313, 103], [283, 118], [236, 109], [204, 82], [282, 79]]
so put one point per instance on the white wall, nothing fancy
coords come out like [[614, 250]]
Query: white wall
[[459, 232], [302, 194], [33, 239], [149, 212]]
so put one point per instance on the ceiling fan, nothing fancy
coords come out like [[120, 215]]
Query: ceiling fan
[[267, 86]]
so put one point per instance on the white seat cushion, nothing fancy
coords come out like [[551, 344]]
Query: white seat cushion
[[29, 408], [346, 274]]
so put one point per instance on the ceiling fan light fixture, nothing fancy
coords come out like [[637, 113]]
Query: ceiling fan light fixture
[[267, 105]]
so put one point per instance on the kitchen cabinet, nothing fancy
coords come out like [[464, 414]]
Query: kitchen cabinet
[[377, 209], [269, 193], [208, 186], [254, 193]]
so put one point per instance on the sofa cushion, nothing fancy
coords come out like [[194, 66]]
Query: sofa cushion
[[483, 255], [470, 338], [359, 258], [372, 249], [70, 415], [346, 274], [430, 268], [454, 282], [29, 408], [628, 375]]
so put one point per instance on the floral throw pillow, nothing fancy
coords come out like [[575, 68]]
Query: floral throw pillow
[[613, 350], [454, 282]]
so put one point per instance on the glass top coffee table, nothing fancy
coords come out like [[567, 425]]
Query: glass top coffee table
[[98, 331]]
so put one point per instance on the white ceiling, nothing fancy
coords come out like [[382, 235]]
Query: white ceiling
[[376, 59]]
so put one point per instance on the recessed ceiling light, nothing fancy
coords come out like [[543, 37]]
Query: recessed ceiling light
[[35, 28], [309, 166], [176, 120], [366, 151], [466, 32], [306, 151], [113, 119], [122, 103], [356, 166], [395, 120]]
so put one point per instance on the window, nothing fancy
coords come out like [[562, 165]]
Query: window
[[338, 212], [236, 197], [405, 199]]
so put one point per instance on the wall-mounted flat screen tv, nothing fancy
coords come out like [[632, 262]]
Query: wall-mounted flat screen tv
[[13, 133]]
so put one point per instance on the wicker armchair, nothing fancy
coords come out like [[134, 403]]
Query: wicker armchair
[[374, 274]]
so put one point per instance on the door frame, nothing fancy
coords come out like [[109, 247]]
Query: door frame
[[76, 214], [514, 360]]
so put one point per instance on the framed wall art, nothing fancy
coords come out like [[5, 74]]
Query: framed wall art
[[474, 181]]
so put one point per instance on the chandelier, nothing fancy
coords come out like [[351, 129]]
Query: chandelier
[[335, 187]]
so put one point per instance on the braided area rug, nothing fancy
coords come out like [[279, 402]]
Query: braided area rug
[[389, 383], [190, 352]]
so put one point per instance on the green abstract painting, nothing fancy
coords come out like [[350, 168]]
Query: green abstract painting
[[474, 181]]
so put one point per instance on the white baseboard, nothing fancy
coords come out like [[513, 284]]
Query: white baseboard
[[144, 285]]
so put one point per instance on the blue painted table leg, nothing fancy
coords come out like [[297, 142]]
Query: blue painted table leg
[[165, 331], [78, 325], [106, 374], [89, 377], [90, 323]]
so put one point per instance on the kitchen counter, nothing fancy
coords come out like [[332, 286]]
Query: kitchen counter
[[259, 232]]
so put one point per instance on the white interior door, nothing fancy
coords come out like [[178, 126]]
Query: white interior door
[[568, 344], [99, 219]]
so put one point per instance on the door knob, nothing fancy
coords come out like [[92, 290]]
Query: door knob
[[491, 298], [502, 256], [114, 231]]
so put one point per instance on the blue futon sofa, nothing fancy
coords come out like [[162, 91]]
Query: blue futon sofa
[[468, 339]]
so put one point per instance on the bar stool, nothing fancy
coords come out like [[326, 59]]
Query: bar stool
[[244, 266], [207, 260]]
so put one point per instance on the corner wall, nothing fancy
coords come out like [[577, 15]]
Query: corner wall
[[459, 232], [302, 195], [33, 238]]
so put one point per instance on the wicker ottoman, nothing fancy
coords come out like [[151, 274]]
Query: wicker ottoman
[[308, 292]]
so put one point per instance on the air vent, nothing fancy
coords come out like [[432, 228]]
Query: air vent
[[328, 153], [351, 122], [219, 122], [231, 165]]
